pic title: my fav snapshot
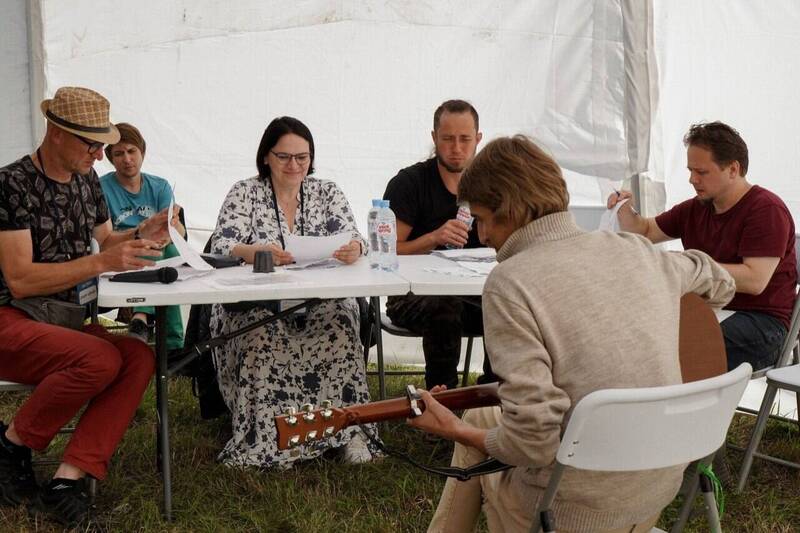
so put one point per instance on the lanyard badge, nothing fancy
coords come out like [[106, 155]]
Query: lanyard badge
[[86, 292]]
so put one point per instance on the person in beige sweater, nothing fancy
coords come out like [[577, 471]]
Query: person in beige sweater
[[566, 313]]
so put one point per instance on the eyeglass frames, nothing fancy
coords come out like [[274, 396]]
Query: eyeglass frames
[[94, 146], [284, 158]]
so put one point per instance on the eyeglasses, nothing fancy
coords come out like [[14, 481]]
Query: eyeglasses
[[94, 146], [284, 158]]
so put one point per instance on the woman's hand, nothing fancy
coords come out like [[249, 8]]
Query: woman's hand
[[349, 253], [248, 253], [279, 255]]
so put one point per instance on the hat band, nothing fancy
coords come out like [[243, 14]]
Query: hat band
[[80, 127]]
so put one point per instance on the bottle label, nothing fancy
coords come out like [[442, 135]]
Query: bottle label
[[464, 215], [384, 228]]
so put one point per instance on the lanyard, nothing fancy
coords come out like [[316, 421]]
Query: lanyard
[[62, 241], [278, 213]]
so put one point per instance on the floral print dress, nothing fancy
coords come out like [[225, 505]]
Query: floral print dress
[[286, 363]]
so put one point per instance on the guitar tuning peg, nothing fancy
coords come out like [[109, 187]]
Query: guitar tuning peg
[[294, 442], [311, 436], [291, 419], [326, 413], [307, 409], [329, 431]]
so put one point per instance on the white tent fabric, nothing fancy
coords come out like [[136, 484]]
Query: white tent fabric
[[734, 61], [202, 79], [15, 114]]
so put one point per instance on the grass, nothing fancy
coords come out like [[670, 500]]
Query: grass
[[325, 495]]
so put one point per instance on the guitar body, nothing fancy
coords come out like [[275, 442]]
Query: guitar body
[[701, 354], [701, 348]]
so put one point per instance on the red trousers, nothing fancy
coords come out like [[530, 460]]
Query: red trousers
[[107, 373]]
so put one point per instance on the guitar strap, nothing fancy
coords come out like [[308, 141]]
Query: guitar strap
[[488, 466]]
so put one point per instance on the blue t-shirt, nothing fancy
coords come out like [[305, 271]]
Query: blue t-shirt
[[128, 209]]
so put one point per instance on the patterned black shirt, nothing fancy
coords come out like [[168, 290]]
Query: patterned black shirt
[[60, 216]]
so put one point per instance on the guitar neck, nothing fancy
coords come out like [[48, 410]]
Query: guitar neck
[[463, 398]]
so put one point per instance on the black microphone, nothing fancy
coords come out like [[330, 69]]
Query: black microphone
[[163, 274]]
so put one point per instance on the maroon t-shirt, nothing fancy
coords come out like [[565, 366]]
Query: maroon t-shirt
[[759, 225]]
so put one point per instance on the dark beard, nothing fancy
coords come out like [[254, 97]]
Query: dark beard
[[448, 166]]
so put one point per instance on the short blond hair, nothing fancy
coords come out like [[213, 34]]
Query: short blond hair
[[516, 180]]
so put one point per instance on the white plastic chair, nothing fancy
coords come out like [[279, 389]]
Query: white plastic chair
[[787, 378], [601, 434]]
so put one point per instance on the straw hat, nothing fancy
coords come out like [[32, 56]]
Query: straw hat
[[82, 112]]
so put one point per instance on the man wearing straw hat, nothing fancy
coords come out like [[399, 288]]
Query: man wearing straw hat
[[51, 208]]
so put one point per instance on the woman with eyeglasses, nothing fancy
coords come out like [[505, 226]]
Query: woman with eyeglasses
[[301, 359]]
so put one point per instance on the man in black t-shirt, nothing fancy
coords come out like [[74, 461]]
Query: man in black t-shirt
[[51, 208], [423, 197]]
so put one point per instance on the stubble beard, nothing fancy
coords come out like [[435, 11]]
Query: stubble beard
[[448, 166]]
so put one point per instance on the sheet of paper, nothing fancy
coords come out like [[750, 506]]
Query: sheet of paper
[[252, 279], [322, 263], [454, 271], [723, 314], [171, 262], [187, 272], [487, 255], [481, 267], [609, 220], [306, 250], [185, 251]]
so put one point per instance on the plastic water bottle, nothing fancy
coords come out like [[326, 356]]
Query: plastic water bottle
[[465, 216], [387, 237], [372, 235]]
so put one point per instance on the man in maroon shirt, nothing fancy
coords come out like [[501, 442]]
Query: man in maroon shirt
[[744, 227]]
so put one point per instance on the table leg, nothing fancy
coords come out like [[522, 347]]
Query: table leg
[[162, 409], [375, 301]]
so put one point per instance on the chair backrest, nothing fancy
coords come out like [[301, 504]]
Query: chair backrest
[[647, 428], [794, 322]]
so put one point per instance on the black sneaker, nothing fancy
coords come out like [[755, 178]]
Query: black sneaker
[[65, 501], [17, 482], [138, 329]]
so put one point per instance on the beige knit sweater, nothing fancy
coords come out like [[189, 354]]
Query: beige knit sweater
[[566, 313]]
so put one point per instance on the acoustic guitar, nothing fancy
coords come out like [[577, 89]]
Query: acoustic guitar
[[701, 353]]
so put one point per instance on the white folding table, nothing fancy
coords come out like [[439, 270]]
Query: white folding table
[[426, 276], [341, 282]]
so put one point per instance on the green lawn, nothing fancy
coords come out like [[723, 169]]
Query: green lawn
[[325, 495]]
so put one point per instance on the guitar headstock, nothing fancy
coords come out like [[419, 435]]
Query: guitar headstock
[[308, 424]]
